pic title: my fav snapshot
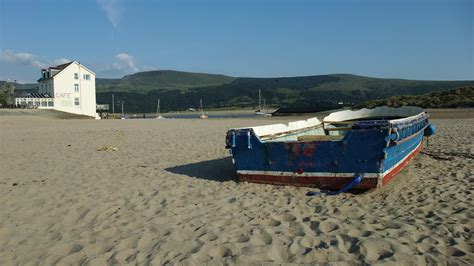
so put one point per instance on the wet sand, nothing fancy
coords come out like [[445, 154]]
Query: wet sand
[[164, 191]]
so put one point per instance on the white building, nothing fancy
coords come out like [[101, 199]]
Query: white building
[[68, 87]]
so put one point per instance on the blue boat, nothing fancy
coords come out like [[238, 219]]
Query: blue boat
[[374, 144]]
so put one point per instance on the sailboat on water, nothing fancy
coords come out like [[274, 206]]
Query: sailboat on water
[[158, 111], [123, 113], [261, 108], [203, 116]]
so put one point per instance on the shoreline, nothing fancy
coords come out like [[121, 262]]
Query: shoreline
[[451, 113]]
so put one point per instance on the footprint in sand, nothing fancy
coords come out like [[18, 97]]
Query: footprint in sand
[[307, 242], [208, 236], [220, 251], [285, 217], [376, 249], [274, 223], [216, 251], [195, 249], [55, 235], [243, 239], [261, 239], [328, 227], [296, 229], [323, 226], [296, 232], [359, 233], [75, 248], [348, 243], [125, 256]]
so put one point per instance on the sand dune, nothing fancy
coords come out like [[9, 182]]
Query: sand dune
[[168, 195]]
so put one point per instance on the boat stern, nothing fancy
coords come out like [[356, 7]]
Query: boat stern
[[329, 154]]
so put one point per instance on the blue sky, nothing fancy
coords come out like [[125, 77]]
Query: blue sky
[[260, 38]]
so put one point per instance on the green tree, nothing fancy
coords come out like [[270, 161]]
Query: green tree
[[7, 92]]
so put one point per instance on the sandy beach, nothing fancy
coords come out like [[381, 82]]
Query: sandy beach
[[163, 191]]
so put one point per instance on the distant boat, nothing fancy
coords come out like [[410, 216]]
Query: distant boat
[[203, 116], [123, 113], [360, 149], [261, 108], [158, 111]]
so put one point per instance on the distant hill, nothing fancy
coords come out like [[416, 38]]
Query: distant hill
[[460, 97], [160, 80], [181, 90]]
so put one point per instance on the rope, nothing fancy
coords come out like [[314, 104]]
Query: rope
[[442, 155], [357, 179]]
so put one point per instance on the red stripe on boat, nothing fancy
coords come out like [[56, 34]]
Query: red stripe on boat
[[399, 167], [326, 182]]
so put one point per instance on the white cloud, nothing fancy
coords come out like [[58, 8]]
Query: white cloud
[[124, 64], [11, 57], [27, 59], [112, 10], [125, 61]]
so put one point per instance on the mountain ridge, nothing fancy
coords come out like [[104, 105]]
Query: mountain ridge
[[179, 90]]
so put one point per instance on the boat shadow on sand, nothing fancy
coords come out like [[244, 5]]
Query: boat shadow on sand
[[220, 170]]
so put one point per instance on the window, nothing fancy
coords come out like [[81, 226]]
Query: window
[[76, 101], [76, 87], [86, 76], [76, 76], [50, 103]]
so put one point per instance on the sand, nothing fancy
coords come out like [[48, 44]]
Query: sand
[[163, 191]]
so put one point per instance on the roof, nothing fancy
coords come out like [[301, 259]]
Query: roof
[[58, 67], [35, 95], [61, 68]]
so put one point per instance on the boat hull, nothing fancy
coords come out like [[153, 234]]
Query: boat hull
[[326, 180], [375, 149]]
